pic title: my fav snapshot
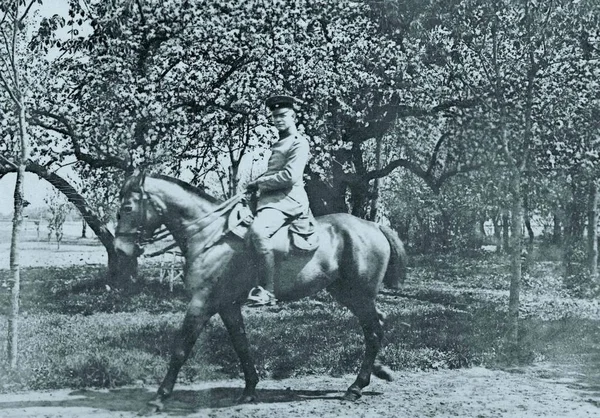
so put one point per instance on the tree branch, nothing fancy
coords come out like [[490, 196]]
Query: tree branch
[[13, 55], [142, 16], [91, 160], [26, 11], [456, 171], [436, 151], [8, 64], [9, 90], [3, 18]]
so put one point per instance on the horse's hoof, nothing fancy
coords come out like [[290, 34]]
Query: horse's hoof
[[151, 408], [246, 399], [383, 372], [352, 395]]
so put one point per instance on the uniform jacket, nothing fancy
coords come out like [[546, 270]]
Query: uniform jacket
[[282, 187]]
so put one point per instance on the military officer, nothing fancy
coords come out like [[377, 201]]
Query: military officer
[[281, 194]]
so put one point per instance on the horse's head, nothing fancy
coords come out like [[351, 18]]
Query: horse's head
[[138, 216]]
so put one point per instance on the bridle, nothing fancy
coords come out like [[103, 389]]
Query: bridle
[[140, 234]]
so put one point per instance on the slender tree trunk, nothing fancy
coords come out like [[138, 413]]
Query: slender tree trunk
[[530, 232], [574, 229], [556, 228], [569, 241], [424, 234], [592, 222], [505, 231], [482, 220], [527, 220], [83, 228], [15, 267], [516, 249], [497, 232], [404, 229], [377, 182], [445, 231]]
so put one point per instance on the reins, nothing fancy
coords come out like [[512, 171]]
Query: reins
[[199, 224]]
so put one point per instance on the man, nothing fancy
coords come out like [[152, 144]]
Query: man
[[281, 191]]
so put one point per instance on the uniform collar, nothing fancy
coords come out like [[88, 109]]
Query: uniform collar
[[295, 135]]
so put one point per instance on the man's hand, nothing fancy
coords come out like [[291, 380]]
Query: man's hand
[[252, 187]]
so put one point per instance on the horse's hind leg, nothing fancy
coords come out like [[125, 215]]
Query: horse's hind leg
[[371, 321], [234, 322], [195, 319]]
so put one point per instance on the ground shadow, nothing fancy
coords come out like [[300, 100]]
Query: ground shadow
[[183, 402]]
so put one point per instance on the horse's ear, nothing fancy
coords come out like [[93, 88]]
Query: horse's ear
[[140, 177], [134, 180], [137, 176]]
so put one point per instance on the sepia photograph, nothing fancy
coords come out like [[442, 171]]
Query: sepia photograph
[[299, 208]]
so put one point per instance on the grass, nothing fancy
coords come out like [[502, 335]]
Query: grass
[[451, 313]]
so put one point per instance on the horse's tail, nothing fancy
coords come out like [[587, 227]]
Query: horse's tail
[[396, 269]]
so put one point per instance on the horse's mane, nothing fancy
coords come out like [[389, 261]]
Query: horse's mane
[[186, 186]]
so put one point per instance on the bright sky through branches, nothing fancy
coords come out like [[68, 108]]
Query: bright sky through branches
[[35, 189]]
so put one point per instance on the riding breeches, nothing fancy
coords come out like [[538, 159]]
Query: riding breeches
[[265, 224]]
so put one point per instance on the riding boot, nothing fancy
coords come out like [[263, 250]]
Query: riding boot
[[266, 270], [260, 296]]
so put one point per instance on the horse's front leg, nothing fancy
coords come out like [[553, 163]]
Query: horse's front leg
[[234, 322], [196, 317]]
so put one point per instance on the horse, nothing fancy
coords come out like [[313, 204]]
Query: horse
[[354, 258]]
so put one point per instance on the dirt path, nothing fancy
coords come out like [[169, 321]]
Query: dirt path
[[475, 392]]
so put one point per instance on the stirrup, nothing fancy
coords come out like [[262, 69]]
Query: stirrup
[[259, 296]]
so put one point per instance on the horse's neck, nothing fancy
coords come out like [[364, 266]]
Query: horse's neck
[[183, 210]]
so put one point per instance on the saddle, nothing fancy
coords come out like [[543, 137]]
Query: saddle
[[299, 234]]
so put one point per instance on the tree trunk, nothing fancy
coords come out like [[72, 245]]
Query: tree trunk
[[83, 228], [592, 223], [404, 229], [516, 248], [527, 219], [569, 243], [424, 234], [96, 225], [530, 232], [15, 268], [121, 270], [324, 198], [497, 232], [445, 232], [359, 198], [505, 231], [15, 271], [482, 220], [556, 228], [573, 231], [376, 183], [118, 269]]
